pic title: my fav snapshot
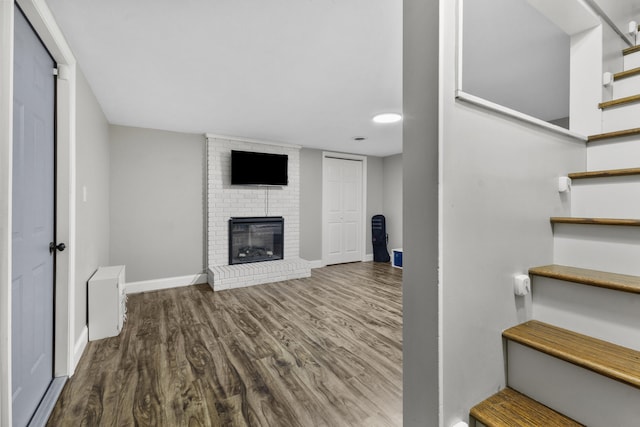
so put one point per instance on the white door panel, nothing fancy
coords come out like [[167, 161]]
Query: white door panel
[[350, 238], [32, 222], [343, 210], [335, 232]]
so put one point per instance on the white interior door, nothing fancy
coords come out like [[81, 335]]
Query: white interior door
[[342, 183], [33, 202]]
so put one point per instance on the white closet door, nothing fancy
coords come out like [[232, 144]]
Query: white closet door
[[342, 183]]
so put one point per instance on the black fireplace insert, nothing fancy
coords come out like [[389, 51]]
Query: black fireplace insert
[[256, 239]]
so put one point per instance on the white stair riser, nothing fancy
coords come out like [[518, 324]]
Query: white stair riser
[[617, 197], [631, 61], [605, 314], [620, 153], [621, 117], [585, 396], [597, 247], [626, 87]]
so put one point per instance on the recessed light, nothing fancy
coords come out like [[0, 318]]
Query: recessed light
[[359, 138], [387, 118]]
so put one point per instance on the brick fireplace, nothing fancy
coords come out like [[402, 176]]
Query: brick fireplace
[[226, 202]]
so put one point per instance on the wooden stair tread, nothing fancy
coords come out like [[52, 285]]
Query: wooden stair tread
[[509, 408], [615, 134], [624, 74], [602, 357], [605, 173], [630, 50], [595, 221], [601, 279], [619, 101]]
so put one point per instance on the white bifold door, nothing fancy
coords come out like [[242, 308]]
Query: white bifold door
[[33, 233], [342, 228]]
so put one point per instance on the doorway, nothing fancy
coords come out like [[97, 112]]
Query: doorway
[[343, 208], [33, 222]]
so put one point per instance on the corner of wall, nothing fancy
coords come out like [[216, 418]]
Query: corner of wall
[[80, 345]]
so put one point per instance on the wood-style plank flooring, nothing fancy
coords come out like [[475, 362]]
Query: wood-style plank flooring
[[321, 351]]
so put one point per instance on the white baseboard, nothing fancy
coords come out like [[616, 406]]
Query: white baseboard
[[318, 263], [79, 347], [166, 283]]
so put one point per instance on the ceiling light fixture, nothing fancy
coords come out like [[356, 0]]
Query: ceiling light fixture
[[387, 118], [359, 138]]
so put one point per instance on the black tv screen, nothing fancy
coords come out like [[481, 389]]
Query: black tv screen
[[249, 168]]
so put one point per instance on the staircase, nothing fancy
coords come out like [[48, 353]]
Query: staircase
[[578, 361]]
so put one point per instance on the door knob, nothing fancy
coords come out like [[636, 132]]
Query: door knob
[[52, 247]]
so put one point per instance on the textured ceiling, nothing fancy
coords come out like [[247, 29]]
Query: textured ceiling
[[307, 72]]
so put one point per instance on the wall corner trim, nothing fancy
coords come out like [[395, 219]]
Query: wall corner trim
[[316, 263], [165, 283], [79, 347]]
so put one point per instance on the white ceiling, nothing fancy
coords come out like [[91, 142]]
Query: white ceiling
[[307, 72]]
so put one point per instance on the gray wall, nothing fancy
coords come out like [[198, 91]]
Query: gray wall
[[310, 204], [498, 190], [92, 174], [157, 207], [514, 56], [392, 199], [375, 191], [311, 201], [421, 382]]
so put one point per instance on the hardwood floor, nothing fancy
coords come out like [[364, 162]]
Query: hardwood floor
[[321, 351]]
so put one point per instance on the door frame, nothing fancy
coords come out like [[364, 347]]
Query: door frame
[[344, 156], [43, 22]]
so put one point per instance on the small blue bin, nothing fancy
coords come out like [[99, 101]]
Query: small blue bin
[[397, 258]]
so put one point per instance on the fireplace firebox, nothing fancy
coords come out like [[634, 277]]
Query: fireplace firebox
[[256, 239]]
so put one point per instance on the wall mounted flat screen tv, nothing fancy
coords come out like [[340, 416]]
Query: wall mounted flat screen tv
[[249, 168]]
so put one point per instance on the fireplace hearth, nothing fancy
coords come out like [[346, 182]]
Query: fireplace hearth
[[255, 239]]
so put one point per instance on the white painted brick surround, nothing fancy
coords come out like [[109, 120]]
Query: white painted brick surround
[[225, 201]]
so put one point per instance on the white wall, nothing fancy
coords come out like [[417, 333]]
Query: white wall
[[621, 11], [392, 199], [157, 203], [499, 188], [226, 201], [420, 284], [586, 81], [612, 60], [92, 174]]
